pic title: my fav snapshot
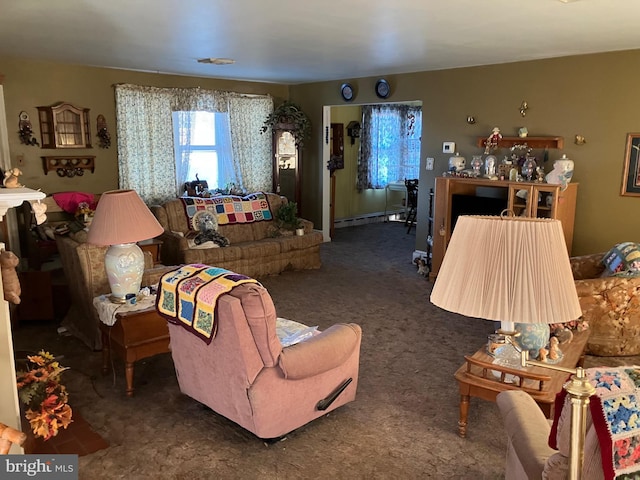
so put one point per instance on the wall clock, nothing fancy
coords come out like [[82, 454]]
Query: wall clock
[[382, 88], [346, 90]]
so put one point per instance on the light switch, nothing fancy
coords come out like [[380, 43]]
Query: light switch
[[448, 147], [429, 164]]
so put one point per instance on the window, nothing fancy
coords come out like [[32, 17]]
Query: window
[[390, 145], [202, 147]]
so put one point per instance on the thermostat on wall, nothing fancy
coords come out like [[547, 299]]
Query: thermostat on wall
[[448, 147]]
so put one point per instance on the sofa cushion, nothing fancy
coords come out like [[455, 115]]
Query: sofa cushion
[[623, 260]]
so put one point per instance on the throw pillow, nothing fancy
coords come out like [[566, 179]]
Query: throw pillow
[[623, 260]]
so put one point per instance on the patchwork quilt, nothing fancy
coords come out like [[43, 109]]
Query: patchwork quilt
[[189, 295], [229, 209]]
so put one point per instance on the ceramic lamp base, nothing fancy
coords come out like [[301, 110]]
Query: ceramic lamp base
[[532, 337], [124, 265]]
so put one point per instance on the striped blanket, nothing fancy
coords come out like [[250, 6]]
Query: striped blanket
[[189, 295]]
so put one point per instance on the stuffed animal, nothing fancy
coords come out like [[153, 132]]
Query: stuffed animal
[[11, 178], [10, 282], [423, 269], [207, 231]]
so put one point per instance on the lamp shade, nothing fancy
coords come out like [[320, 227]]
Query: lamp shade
[[509, 269], [122, 217]]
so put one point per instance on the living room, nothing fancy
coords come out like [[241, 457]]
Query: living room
[[582, 95]]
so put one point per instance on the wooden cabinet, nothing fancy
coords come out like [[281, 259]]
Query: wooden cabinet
[[286, 164], [474, 196], [64, 126]]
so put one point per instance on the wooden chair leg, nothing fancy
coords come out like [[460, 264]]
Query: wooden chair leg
[[10, 436]]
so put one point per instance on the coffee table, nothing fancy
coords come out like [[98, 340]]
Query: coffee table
[[476, 378], [135, 335]]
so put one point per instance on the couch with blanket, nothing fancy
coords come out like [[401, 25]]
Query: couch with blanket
[[256, 246]]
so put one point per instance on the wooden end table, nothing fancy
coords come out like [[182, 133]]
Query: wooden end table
[[476, 378], [135, 335]]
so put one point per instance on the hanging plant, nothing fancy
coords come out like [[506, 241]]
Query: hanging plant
[[291, 118]]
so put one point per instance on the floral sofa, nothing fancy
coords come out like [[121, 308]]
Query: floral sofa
[[611, 306], [257, 248]]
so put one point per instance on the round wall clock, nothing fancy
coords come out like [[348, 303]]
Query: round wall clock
[[346, 90], [382, 88]]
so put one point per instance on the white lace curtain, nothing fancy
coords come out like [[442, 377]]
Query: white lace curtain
[[146, 160]]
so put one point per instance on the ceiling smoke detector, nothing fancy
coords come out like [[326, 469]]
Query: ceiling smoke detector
[[217, 61]]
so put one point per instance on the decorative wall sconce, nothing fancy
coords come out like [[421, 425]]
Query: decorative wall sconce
[[524, 106], [580, 140], [471, 119], [103, 133], [25, 130], [353, 130]]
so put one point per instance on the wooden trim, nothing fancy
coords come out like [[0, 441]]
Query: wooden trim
[[532, 142]]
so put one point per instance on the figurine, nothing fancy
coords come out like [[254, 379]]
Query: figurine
[[493, 141], [554, 349]]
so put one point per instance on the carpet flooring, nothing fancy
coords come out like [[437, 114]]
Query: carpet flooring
[[402, 425]]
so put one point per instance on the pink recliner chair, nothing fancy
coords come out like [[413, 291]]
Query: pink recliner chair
[[247, 376]]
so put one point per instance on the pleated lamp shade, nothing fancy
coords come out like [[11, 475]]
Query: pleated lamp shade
[[508, 269], [121, 219]]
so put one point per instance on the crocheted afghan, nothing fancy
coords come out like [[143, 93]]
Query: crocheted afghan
[[615, 410], [229, 209], [189, 295]]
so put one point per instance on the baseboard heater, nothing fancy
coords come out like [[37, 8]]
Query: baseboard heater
[[376, 217], [327, 401]]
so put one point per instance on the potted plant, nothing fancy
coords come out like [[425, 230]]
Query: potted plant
[[287, 218], [290, 117]]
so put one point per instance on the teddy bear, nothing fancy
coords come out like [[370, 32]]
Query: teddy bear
[[11, 178], [10, 282]]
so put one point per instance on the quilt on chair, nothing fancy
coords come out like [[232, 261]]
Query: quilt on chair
[[189, 295]]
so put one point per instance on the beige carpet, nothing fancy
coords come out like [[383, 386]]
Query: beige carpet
[[403, 424]]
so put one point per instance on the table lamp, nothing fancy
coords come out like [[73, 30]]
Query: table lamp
[[514, 270], [121, 219]]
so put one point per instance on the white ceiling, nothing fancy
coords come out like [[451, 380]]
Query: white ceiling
[[299, 41]]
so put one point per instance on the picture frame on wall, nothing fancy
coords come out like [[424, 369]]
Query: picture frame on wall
[[631, 171]]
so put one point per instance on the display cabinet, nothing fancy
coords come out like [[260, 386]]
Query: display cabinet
[[455, 196], [64, 126]]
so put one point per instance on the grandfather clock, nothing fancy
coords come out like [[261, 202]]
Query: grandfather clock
[[286, 163]]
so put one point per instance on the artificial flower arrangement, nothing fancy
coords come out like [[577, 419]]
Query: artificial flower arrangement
[[39, 388]]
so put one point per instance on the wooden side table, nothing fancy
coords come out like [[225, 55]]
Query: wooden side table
[[153, 245], [136, 334], [476, 378]]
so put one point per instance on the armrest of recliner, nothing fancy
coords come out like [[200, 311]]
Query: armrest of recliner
[[321, 353], [527, 431]]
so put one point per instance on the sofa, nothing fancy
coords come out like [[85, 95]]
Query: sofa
[[83, 266], [256, 249], [528, 432], [610, 305], [246, 375]]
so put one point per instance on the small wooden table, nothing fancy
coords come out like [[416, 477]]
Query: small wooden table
[[476, 378], [135, 335]]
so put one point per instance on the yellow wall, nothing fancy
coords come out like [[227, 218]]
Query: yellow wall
[[591, 95], [349, 203], [29, 84]]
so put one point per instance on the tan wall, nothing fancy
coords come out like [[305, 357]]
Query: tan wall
[[590, 95], [29, 84]]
